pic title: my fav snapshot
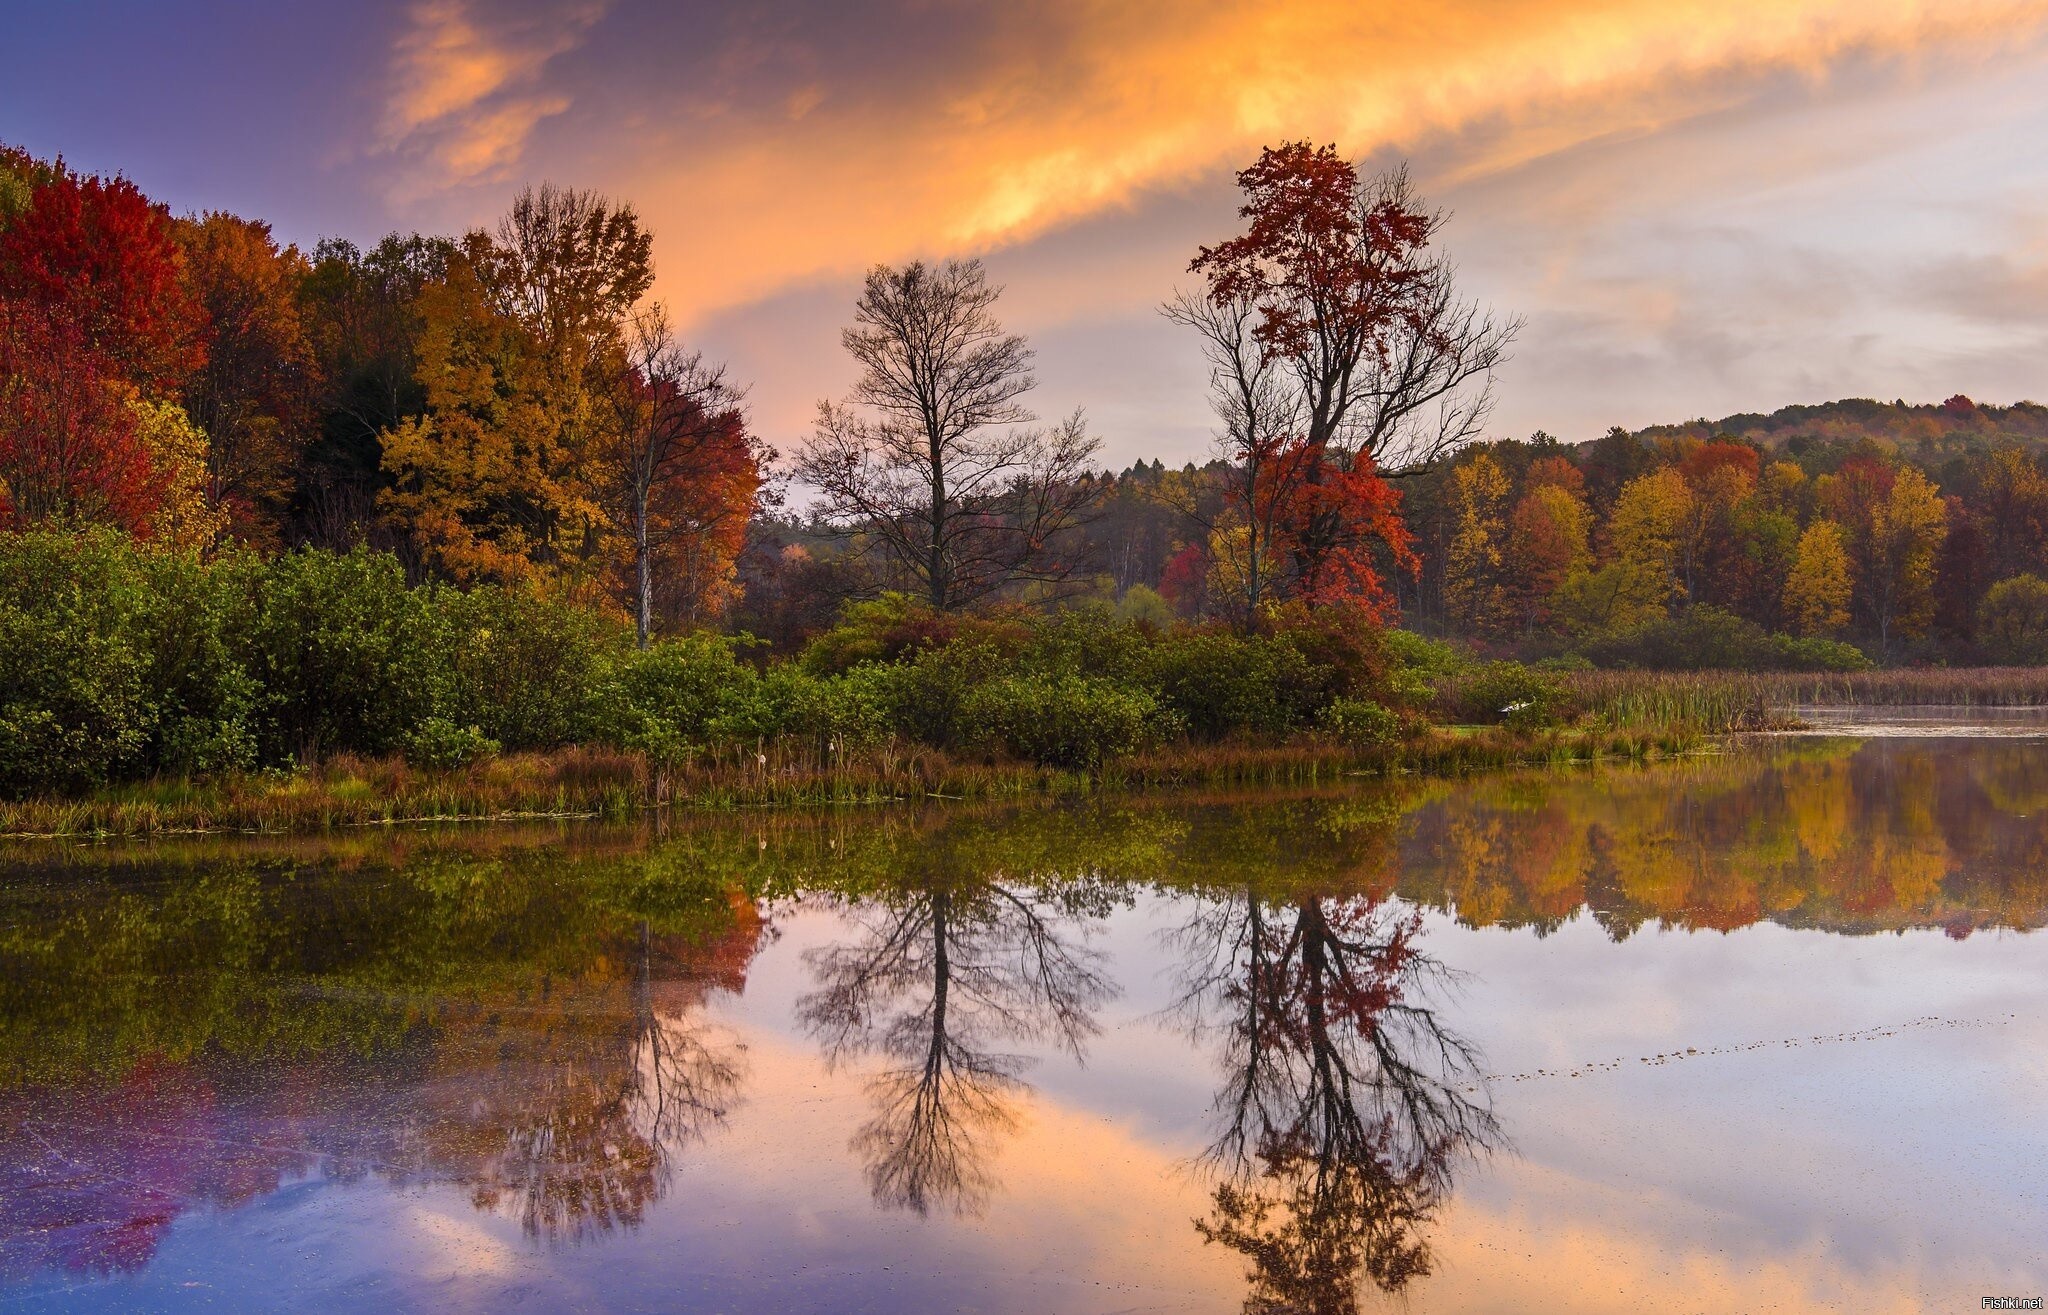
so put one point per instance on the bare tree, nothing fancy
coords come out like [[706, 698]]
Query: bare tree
[[1261, 414], [679, 462], [1388, 361], [936, 978], [931, 458]]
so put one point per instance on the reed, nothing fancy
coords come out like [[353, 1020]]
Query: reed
[[348, 791], [1719, 702]]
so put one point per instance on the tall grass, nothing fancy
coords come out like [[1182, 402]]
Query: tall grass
[[1718, 702], [350, 791]]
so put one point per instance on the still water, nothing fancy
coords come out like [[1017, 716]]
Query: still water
[[1756, 1031]]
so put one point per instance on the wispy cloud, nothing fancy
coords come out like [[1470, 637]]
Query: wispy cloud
[[467, 87], [1077, 108]]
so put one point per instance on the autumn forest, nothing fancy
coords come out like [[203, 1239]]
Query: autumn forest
[[451, 496]]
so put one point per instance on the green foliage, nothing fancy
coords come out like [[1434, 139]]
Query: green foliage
[[1145, 606], [1711, 639], [75, 705], [1415, 663], [1506, 693], [895, 627], [1362, 724], [2012, 621], [440, 744], [1060, 720], [1222, 684], [121, 663], [526, 666], [664, 700]]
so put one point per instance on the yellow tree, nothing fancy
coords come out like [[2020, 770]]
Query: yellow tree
[[1635, 585], [1907, 528], [484, 483], [1818, 587], [186, 518], [1475, 589], [500, 479], [1648, 524]]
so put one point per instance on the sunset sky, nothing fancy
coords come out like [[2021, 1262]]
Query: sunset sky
[[1701, 206]]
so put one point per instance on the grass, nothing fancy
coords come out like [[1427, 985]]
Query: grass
[[1612, 714], [1719, 702], [348, 791]]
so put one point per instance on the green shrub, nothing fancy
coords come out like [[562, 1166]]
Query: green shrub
[[439, 744], [664, 700], [1221, 685], [76, 709], [1707, 638], [1506, 693], [1092, 641], [1060, 721], [2012, 621], [347, 656], [206, 698], [838, 713], [897, 628], [1146, 608], [525, 667], [1362, 724], [924, 696]]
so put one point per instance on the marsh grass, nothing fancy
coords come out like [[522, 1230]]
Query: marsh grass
[[1720, 702], [348, 791]]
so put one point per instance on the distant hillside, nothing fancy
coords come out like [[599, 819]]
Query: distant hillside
[[1901, 426]]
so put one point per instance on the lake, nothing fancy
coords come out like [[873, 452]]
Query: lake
[[1751, 1031]]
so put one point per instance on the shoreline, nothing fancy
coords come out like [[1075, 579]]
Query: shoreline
[[581, 784]]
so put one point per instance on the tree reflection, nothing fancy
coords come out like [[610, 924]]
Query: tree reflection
[[588, 1108], [938, 981], [1348, 1105], [553, 1069]]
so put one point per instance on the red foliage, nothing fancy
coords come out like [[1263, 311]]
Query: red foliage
[[1185, 580], [100, 254], [1703, 460], [1338, 525], [1557, 471], [68, 446], [1324, 260]]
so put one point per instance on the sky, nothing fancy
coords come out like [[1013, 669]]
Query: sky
[[1699, 207]]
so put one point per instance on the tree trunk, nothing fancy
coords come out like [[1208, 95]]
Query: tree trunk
[[643, 569]]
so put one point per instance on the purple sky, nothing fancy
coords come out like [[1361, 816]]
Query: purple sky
[[1699, 207]]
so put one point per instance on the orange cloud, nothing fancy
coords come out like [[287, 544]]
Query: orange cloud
[[465, 92], [1094, 106]]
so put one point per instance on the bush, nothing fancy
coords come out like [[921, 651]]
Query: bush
[[1362, 724], [897, 628], [76, 708], [525, 666], [844, 712], [664, 700], [1092, 641], [1504, 693], [1060, 721], [347, 656], [440, 745], [206, 698], [1221, 685], [1416, 665], [2012, 621], [1707, 638]]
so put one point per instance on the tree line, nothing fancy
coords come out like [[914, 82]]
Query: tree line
[[509, 407]]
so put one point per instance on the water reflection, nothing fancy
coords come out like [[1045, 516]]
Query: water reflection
[[936, 981], [1347, 1103], [549, 1022], [201, 1040]]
